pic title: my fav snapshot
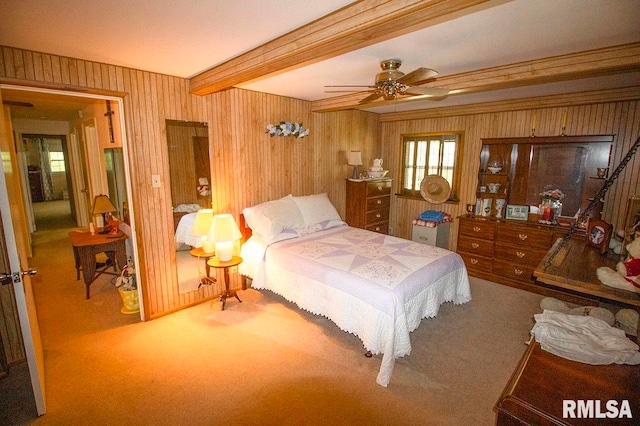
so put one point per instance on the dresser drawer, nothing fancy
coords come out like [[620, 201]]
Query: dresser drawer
[[475, 246], [374, 203], [520, 254], [478, 229], [378, 187], [515, 271], [382, 227], [530, 236], [378, 216], [477, 263]]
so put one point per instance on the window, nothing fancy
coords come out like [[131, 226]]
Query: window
[[426, 154], [56, 159]]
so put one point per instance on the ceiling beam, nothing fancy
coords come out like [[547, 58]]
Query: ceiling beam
[[549, 101], [591, 63], [360, 24]]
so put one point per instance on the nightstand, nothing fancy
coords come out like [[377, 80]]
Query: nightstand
[[217, 263], [201, 254]]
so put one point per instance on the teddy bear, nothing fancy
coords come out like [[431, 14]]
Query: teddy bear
[[627, 273]]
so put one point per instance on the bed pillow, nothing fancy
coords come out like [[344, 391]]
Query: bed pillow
[[316, 208], [272, 217]]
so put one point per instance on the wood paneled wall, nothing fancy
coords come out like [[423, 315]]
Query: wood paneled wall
[[248, 166], [621, 119]]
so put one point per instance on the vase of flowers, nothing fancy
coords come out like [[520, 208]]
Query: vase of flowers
[[551, 206], [128, 289]]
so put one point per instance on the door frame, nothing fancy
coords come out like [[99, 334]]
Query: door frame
[[127, 167]]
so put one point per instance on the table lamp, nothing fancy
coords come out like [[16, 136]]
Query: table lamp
[[355, 160], [201, 227], [101, 206], [224, 232]]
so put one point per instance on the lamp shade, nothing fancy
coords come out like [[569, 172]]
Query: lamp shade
[[224, 229], [224, 232], [202, 224], [102, 204], [355, 158]]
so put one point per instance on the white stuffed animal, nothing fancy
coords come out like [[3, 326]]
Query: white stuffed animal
[[627, 273]]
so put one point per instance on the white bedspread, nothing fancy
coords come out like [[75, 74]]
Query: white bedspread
[[183, 231], [375, 286]]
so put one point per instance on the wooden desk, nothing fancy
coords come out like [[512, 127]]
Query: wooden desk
[[574, 269], [542, 380], [85, 248]]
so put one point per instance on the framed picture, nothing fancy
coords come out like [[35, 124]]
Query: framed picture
[[517, 212], [599, 234]]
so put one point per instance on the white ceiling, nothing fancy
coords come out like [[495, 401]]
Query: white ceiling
[[187, 37]]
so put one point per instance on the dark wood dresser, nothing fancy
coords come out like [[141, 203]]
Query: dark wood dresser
[[368, 204], [542, 380], [508, 252]]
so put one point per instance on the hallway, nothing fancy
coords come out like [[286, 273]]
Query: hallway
[[63, 312]]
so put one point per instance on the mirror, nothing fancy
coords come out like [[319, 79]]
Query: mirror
[[190, 180], [531, 166]]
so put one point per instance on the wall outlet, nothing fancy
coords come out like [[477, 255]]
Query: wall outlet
[[155, 181]]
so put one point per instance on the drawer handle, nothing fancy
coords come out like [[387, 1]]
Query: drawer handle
[[523, 236], [424, 238], [518, 271], [380, 188], [520, 254], [379, 202], [377, 228], [378, 215], [476, 229], [474, 261], [475, 245]]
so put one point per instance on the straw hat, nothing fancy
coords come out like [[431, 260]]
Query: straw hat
[[435, 189]]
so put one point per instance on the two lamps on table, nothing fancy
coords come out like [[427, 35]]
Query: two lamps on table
[[217, 233]]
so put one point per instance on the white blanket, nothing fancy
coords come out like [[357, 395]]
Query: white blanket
[[375, 286], [183, 231]]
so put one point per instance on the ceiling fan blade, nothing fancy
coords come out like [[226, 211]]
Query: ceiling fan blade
[[16, 103], [436, 92], [417, 76], [346, 91], [370, 98]]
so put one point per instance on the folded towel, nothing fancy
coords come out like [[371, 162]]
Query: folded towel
[[432, 215]]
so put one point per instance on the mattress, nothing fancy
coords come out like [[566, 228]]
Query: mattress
[[376, 286]]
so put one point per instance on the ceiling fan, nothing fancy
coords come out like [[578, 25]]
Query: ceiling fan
[[391, 82]]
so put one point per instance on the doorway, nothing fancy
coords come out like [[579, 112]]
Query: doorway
[[60, 295]]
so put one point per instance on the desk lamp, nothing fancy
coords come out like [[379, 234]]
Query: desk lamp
[[224, 232], [101, 206], [201, 227], [355, 160]]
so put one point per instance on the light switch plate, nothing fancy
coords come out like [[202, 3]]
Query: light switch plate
[[155, 181]]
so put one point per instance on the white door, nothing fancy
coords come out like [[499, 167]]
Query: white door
[[10, 196]]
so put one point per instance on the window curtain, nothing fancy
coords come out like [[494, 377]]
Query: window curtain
[[45, 167]]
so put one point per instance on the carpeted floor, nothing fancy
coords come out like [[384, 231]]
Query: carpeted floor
[[263, 361]]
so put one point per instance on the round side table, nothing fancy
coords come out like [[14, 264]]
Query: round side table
[[217, 263], [201, 254]]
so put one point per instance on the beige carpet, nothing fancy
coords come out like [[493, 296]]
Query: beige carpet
[[263, 361]]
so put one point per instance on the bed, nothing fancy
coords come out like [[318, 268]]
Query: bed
[[376, 286]]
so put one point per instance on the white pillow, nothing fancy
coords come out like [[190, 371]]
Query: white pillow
[[272, 217], [316, 208]]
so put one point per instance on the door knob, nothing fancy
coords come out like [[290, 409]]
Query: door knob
[[6, 278]]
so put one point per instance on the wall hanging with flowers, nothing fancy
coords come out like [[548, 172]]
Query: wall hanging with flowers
[[286, 128]]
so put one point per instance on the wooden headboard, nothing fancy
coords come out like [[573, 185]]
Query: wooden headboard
[[244, 229]]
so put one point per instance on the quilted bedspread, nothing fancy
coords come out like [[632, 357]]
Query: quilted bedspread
[[375, 286]]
